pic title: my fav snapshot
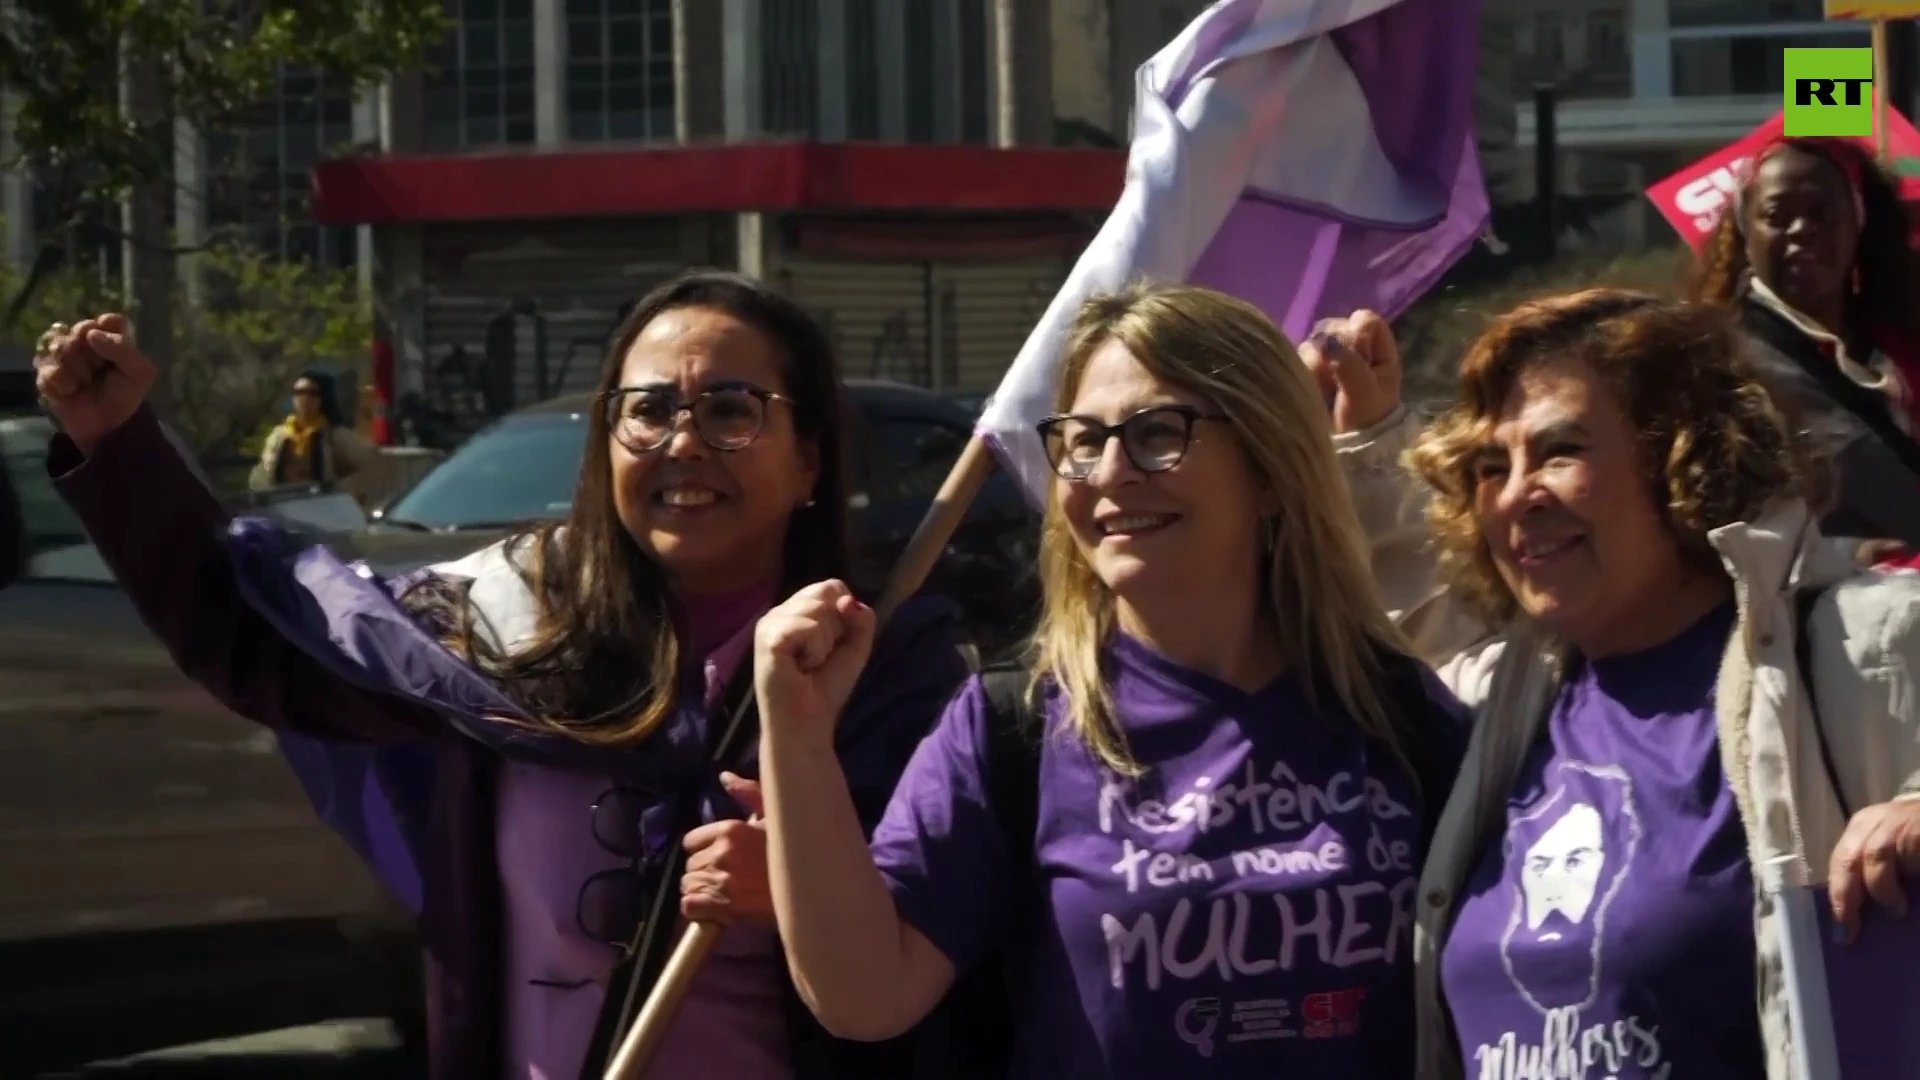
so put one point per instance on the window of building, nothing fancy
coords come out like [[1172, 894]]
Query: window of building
[[789, 72], [260, 179], [479, 86], [1749, 64], [619, 70], [863, 69]]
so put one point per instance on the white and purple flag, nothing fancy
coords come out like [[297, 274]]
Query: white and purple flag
[[1310, 156]]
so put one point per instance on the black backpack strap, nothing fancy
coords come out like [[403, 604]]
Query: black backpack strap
[[654, 940], [1803, 601], [1419, 725], [1013, 760], [981, 1012]]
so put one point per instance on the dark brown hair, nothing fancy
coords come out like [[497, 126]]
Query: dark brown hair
[[603, 602], [1881, 256], [1716, 449]]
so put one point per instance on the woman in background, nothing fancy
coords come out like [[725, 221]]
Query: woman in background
[[1814, 254], [314, 446]]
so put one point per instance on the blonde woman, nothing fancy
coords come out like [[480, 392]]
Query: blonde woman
[[1681, 683], [1214, 871]]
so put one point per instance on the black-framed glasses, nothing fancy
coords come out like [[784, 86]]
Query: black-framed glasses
[[643, 418], [612, 905], [1154, 439]]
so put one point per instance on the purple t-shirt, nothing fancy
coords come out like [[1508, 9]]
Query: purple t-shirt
[[1244, 909], [1611, 933]]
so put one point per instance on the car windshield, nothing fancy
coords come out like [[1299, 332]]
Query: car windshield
[[521, 469]]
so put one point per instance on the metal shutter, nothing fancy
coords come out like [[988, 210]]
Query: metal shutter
[[578, 275], [989, 309], [876, 313]]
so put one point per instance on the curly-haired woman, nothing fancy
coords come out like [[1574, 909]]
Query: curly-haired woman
[[1815, 256], [1620, 573]]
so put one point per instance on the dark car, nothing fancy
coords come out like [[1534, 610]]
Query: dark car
[[904, 442], [165, 878]]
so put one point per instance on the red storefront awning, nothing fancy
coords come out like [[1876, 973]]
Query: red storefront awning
[[808, 177]]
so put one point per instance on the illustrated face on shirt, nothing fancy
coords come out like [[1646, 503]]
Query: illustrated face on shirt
[[1561, 871], [1568, 854]]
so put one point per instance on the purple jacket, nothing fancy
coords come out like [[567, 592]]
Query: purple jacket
[[389, 730]]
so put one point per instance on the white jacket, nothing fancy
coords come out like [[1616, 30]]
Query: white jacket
[[1865, 631]]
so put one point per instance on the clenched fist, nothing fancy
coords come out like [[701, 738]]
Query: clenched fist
[[92, 377], [1357, 364], [807, 654]]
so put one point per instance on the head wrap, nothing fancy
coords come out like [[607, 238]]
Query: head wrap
[[1843, 154]]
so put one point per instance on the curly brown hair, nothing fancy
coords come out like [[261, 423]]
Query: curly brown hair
[[1716, 448]]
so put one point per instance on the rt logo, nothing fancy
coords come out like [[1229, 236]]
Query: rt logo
[[1829, 92]]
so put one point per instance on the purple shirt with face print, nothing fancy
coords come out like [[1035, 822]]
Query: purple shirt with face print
[[1244, 909], [1610, 934]]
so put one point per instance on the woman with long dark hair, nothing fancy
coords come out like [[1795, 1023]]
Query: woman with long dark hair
[[1815, 254], [580, 684]]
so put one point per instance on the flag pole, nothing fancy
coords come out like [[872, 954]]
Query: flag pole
[[976, 463], [1881, 88]]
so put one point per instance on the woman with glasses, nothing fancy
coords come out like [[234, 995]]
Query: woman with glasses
[[1197, 856], [581, 685], [1675, 683]]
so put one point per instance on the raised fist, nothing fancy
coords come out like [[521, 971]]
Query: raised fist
[[92, 377], [1357, 364], [807, 655]]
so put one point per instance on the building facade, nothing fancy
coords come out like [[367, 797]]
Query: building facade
[[1645, 87], [922, 190]]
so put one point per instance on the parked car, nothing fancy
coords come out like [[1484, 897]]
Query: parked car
[[974, 401], [904, 442], [165, 878]]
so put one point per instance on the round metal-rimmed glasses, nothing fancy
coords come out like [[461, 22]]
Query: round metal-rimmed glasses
[[1154, 439], [643, 418]]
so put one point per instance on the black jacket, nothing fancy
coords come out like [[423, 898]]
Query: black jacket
[[1877, 465]]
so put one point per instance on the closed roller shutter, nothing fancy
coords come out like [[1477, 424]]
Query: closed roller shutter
[[579, 276], [876, 313], [988, 309]]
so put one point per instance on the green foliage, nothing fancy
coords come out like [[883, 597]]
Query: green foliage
[[221, 57], [1436, 332], [262, 320]]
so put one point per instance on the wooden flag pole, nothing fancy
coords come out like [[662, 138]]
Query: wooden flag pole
[[642, 1041], [1881, 88]]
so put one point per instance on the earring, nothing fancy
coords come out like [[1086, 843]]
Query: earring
[[1269, 529], [808, 505]]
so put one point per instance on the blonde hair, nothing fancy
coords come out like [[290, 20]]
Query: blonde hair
[[1321, 593]]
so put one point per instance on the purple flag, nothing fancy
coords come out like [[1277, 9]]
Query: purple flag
[[1310, 156], [1873, 990]]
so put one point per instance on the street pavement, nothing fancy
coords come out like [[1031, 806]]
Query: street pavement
[[360, 1049]]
